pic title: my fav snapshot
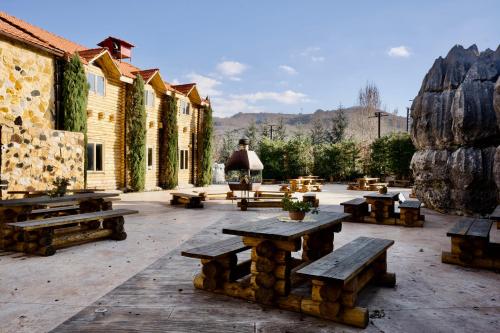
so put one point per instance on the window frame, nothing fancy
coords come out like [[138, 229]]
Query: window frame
[[184, 159], [94, 157], [146, 99], [94, 90], [150, 167]]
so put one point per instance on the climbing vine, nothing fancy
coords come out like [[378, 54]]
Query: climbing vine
[[169, 143]]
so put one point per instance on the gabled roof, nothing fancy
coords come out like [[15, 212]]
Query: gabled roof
[[91, 54], [184, 88], [117, 39], [147, 74]]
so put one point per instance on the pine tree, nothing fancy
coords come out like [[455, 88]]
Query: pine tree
[[206, 152], [252, 134], [169, 143], [136, 135], [338, 126], [74, 101]]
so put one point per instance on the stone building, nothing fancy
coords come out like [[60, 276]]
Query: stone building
[[31, 69]]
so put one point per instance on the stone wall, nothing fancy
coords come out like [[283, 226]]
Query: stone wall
[[31, 158], [26, 86], [456, 118]]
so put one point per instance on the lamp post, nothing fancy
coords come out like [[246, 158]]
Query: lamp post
[[271, 131]]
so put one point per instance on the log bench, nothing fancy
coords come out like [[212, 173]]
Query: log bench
[[219, 263], [53, 211], [338, 277], [311, 198], [358, 208], [409, 214], [377, 186], [189, 200], [259, 202], [44, 236], [470, 245], [495, 216]]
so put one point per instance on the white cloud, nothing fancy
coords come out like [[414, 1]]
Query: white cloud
[[231, 69], [285, 97], [206, 85], [288, 69], [175, 81], [317, 58], [399, 52]]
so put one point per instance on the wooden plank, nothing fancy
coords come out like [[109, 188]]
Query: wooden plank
[[44, 200], [410, 204], [496, 214], [480, 228], [460, 228], [345, 263], [354, 202], [63, 220], [54, 209], [388, 196], [275, 229], [185, 195], [218, 249]]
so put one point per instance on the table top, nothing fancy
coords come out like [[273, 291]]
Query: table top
[[367, 178], [79, 190], [47, 200], [274, 229], [496, 214], [394, 196]]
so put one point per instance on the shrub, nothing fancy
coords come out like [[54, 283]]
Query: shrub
[[272, 155], [299, 158], [169, 143]]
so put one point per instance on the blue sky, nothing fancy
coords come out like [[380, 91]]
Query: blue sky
[[278, 56]]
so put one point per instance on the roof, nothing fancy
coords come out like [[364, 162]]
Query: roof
[[18, 29], [28, 32], [184, 88], [117, 39]]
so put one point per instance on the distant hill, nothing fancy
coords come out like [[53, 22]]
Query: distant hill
[[359, 123]]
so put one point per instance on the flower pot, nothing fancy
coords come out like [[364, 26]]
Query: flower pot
[[297, 215]]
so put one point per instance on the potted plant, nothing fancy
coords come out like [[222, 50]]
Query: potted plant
[[61, 186], [297, 209]]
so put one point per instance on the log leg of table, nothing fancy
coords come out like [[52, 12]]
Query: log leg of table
[[317, 245], [271, 268], [410, 217], [7, 215]]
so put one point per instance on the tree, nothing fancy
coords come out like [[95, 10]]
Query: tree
[[317, 131], [298, 157], [169, 144], [136, 134], [251, 132], [228, 146], [279, 133], [74, 101], [272, 155], [400, 151], [338, 125], [369, 101], [205, 177]]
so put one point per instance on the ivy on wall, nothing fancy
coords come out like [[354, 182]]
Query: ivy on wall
[[75, 91], [169, 144], [136, 135], [205, 174]]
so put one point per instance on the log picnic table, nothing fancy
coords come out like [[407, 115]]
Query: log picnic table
[[39, 193], [26, 210], [272, 276], [495, 216], [382, 207]]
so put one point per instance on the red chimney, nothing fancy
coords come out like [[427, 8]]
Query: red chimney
[[119, 48]]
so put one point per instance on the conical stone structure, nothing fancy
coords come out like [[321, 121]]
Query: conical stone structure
[[456, 129]]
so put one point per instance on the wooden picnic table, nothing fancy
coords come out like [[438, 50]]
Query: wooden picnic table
[[14, 210], [273, 241], [382, 206], [38, 193], [495, 216]]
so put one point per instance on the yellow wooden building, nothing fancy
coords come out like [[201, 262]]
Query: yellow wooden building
[[33, 98]]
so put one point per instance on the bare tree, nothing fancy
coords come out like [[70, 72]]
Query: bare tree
[[369, 102]]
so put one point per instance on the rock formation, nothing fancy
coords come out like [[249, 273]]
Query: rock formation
[[456, 129]]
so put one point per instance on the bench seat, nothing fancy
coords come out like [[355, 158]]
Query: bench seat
[[358, 208], [470, 245], [495, 216], [409, 213], [338, 277], [219, 263], [54, 211], [44, 236]]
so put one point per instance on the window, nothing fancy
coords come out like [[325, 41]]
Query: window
[[149, 98], [184, 106], [96, 83], [94, 157], [184, 161], [150, 158]]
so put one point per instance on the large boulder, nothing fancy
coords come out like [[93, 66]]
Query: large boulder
[[456, 129]]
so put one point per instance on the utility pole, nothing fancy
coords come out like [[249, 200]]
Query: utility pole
[[379, 114], [271, 131]]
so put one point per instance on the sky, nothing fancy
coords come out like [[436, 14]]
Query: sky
[[278, 56]]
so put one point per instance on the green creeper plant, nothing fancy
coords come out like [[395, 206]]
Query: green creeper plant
[[75, 91], [205, 177], [136, 135], [169, 144]]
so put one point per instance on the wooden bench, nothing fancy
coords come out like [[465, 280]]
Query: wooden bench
[[409, 214], [495, 216], [46, 235], [353, 186], [54, 211], [358, 208], [260, 202], [219, 263], [271, 194], [189, 200], [338, 277], [377, 186], [470, 245]]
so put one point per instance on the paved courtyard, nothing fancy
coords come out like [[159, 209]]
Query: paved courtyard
[[143, 284]]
